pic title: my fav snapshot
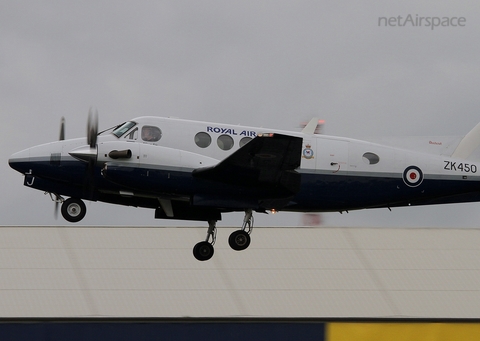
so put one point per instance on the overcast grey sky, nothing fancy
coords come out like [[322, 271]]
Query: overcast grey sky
[[258, 63]]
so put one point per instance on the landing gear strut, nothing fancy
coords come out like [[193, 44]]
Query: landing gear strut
[[240, 240], [204, 250]]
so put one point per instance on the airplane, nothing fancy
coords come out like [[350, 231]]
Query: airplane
[[192, 170]]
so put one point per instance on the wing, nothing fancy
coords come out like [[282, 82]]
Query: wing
[[268, 162]]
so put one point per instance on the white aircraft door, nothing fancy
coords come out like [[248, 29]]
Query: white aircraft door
[[332, 155]]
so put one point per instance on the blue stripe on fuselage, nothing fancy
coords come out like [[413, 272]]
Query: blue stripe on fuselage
[[319, 192]]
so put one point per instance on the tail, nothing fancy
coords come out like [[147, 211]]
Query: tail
[[468, 144]]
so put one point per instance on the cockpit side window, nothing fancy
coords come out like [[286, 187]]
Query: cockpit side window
[[151, 134], [123, 128], [132, 135]]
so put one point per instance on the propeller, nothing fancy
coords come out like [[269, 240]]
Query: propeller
[[92, 128], [92, 133], [88, 153], [62, 129], [58, 199]]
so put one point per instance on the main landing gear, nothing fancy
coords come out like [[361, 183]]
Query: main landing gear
[[238, 240], [204, 250]]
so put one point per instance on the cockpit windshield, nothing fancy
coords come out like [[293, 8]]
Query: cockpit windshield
[[123, 128]]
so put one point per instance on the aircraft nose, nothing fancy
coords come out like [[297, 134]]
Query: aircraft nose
[[19, 161]]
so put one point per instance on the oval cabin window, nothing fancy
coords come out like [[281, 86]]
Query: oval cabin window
[[244, 141], [203, 140], [225, 142], [371, 158]]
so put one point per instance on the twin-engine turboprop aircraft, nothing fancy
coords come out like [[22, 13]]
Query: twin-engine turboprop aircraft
[[191, 170]]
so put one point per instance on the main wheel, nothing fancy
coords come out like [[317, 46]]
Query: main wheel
[[239, 240], [203, 251], [73, 210]]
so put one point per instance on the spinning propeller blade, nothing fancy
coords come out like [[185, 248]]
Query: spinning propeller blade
[[88, 154], [62, 129], [92, 132], [55, 213], [92, 128], [61, 138]]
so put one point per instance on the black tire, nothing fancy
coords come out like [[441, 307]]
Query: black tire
[[203, 251], [239, 240], [73, 210]]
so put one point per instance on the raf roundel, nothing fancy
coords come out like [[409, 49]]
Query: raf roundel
[[412, 176]]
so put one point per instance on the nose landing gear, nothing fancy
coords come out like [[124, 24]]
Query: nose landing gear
[[73, 210]]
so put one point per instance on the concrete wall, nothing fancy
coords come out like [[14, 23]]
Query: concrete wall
[[286, 272]]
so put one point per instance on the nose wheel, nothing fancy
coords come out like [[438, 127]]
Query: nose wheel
[[73, 210]]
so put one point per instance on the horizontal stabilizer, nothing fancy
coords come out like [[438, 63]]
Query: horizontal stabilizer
[[468, 144]]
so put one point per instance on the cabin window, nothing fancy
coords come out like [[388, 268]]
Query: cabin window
[[151, 134], [203, 140], [371, 158], [244, 141], [225, 142]]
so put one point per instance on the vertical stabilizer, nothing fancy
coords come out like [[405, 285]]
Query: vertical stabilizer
[[468, 144]]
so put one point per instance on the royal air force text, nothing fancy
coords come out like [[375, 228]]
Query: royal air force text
[[460, 166], [231, 131]]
